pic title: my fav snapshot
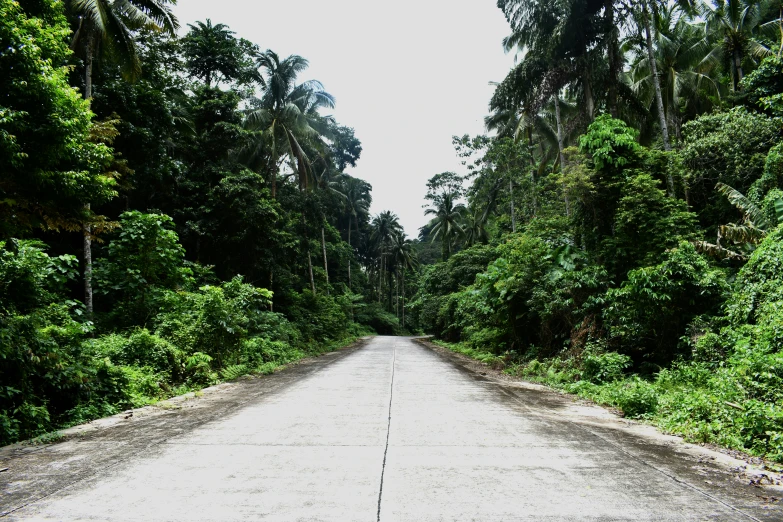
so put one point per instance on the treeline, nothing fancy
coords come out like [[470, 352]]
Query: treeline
[[620, 234], [174, 211]]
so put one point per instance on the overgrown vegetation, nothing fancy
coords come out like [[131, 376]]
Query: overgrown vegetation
[[620, 237], [174, 211]]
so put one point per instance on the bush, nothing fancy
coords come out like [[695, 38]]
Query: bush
[[604, 367], [635, 397], [140, 348]]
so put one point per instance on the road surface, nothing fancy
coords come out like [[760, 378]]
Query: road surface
[[390, 431]]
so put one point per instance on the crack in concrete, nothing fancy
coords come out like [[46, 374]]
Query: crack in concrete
[[388, 431]]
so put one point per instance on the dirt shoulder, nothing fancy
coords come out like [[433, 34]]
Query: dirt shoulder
[[33, 472]]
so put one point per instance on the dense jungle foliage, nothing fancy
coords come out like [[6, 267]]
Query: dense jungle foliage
[[620, 233], [174, 211]]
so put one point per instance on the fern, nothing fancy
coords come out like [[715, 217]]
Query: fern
[[197, 361], [233, 372]]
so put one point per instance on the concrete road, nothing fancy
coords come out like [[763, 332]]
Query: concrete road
[[390, 431]]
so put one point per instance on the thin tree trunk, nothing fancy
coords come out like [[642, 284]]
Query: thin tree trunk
[[310, 268], [532, 176], [657, 85], [87, 243], [614, 68], [511, 197], [560, 152], [326, 264], [656, 81], [589, 98], [380, 280], [397, 300], [350, 259], [309, 257], [403, 298], [87, 229]]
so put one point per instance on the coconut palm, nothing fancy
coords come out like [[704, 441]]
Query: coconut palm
[[475, 227], [404, 258], [684, 61], [740, 31], [384, 226], [106, 28], [447, 223], [286, 119], [357, 202]]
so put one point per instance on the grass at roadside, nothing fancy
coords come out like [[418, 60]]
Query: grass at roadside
[[700, 403]]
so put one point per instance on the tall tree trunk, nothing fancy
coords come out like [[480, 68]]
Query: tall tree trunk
[[403, 298], [511, 198], [87, 229], [589, 97], [326, 263], [309, 257], [87, 243], [397, 296], [310, 268], [560, 140], [658, 94], [613, 52], [350, 258], [380, 279], [532, 176], [655, 78]]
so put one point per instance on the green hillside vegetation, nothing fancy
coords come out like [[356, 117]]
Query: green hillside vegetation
[[174, 212], [619, 235]]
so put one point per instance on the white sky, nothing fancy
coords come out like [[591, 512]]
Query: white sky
[[407, 75]]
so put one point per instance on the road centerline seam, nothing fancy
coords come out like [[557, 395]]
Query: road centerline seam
[[388, 431]]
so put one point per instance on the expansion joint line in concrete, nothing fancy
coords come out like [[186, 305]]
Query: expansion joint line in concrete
[[388, 430]]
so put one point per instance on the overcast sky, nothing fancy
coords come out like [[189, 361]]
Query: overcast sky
[[407, 75]]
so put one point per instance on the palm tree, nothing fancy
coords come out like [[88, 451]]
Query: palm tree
[[287, 118], [740, 30], [357, 200], [447, 222], [475, 229], [404, 256], [108, 26], [384, 226], [684, 62]]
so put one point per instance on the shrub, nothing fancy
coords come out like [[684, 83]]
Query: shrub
[[604, 367]]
